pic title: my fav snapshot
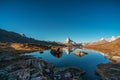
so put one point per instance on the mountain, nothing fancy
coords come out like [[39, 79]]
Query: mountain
[[112, 47], [113, 44], [111, 50], [71, 43], [98, 42], [8, 36], [102, 41], [113, 38]]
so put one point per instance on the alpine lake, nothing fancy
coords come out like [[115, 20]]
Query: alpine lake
[[86, 61]]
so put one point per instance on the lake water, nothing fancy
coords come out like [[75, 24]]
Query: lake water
[[86, 63]]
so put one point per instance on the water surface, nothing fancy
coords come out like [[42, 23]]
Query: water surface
[[87, 62]]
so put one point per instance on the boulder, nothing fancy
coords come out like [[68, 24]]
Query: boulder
[[23, 74], [38, 69], [116, 59], [80, 53], [109, 71], [6, 58], [68, 74], [3, 74]]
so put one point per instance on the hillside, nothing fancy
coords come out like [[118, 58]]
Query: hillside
[[111, 49], [96, 42], [102, 41], [7, 36], [107, 47]]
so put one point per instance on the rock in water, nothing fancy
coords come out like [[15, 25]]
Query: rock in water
[[80, 53]]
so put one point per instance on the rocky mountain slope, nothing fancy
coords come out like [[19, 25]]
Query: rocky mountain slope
[[96, 42], [7, 36], [110, 46], [70, 43], [111, 49], [102, 41]]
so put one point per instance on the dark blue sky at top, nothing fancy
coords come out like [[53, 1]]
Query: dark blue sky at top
[[81, 20]]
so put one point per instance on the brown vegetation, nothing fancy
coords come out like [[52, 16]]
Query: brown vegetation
[[19, 48], [112, 48]]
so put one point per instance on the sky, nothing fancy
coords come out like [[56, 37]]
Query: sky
[[55, 20]]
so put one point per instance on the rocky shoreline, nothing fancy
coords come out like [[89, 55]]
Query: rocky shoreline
[[28, 68], [111, 70], [16, 67]]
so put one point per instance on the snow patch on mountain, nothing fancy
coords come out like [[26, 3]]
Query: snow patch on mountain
[[102, 40], [112, 38]]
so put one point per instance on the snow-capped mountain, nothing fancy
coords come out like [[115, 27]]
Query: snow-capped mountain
[[102, 40], [112, 38], [68, 41]]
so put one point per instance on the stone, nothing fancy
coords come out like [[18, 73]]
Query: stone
[[80, 53], [36, 78], [39, 78], [3, 74], [23, 74], [58, 77], [6, 58], [68, 74], [13, 67], [109, 71], [116, 58], [47, 70], [27, 63], [36, 64], [36, 69], [36, 74], [42, 63]]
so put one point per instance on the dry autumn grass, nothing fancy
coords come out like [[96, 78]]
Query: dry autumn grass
[[113, 48], [14, 48]]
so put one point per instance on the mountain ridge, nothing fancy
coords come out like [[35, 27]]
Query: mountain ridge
[[102, 41], [9, 36], [113, 48]]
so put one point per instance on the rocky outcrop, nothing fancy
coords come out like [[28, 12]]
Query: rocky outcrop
[[80, 53], [57, 52], [13, 37], [116, 59], [37, 69], [109, 71]]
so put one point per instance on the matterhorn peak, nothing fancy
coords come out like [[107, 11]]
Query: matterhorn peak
[[67, 40]]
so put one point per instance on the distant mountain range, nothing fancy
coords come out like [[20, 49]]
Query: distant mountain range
[[8, 36], [111, 39], [112, 47], [102, 41]]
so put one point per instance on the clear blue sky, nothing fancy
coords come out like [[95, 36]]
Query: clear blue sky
[[81, 20]]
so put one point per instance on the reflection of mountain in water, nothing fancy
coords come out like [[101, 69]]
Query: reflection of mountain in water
[[56, 52], [68, 50]]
